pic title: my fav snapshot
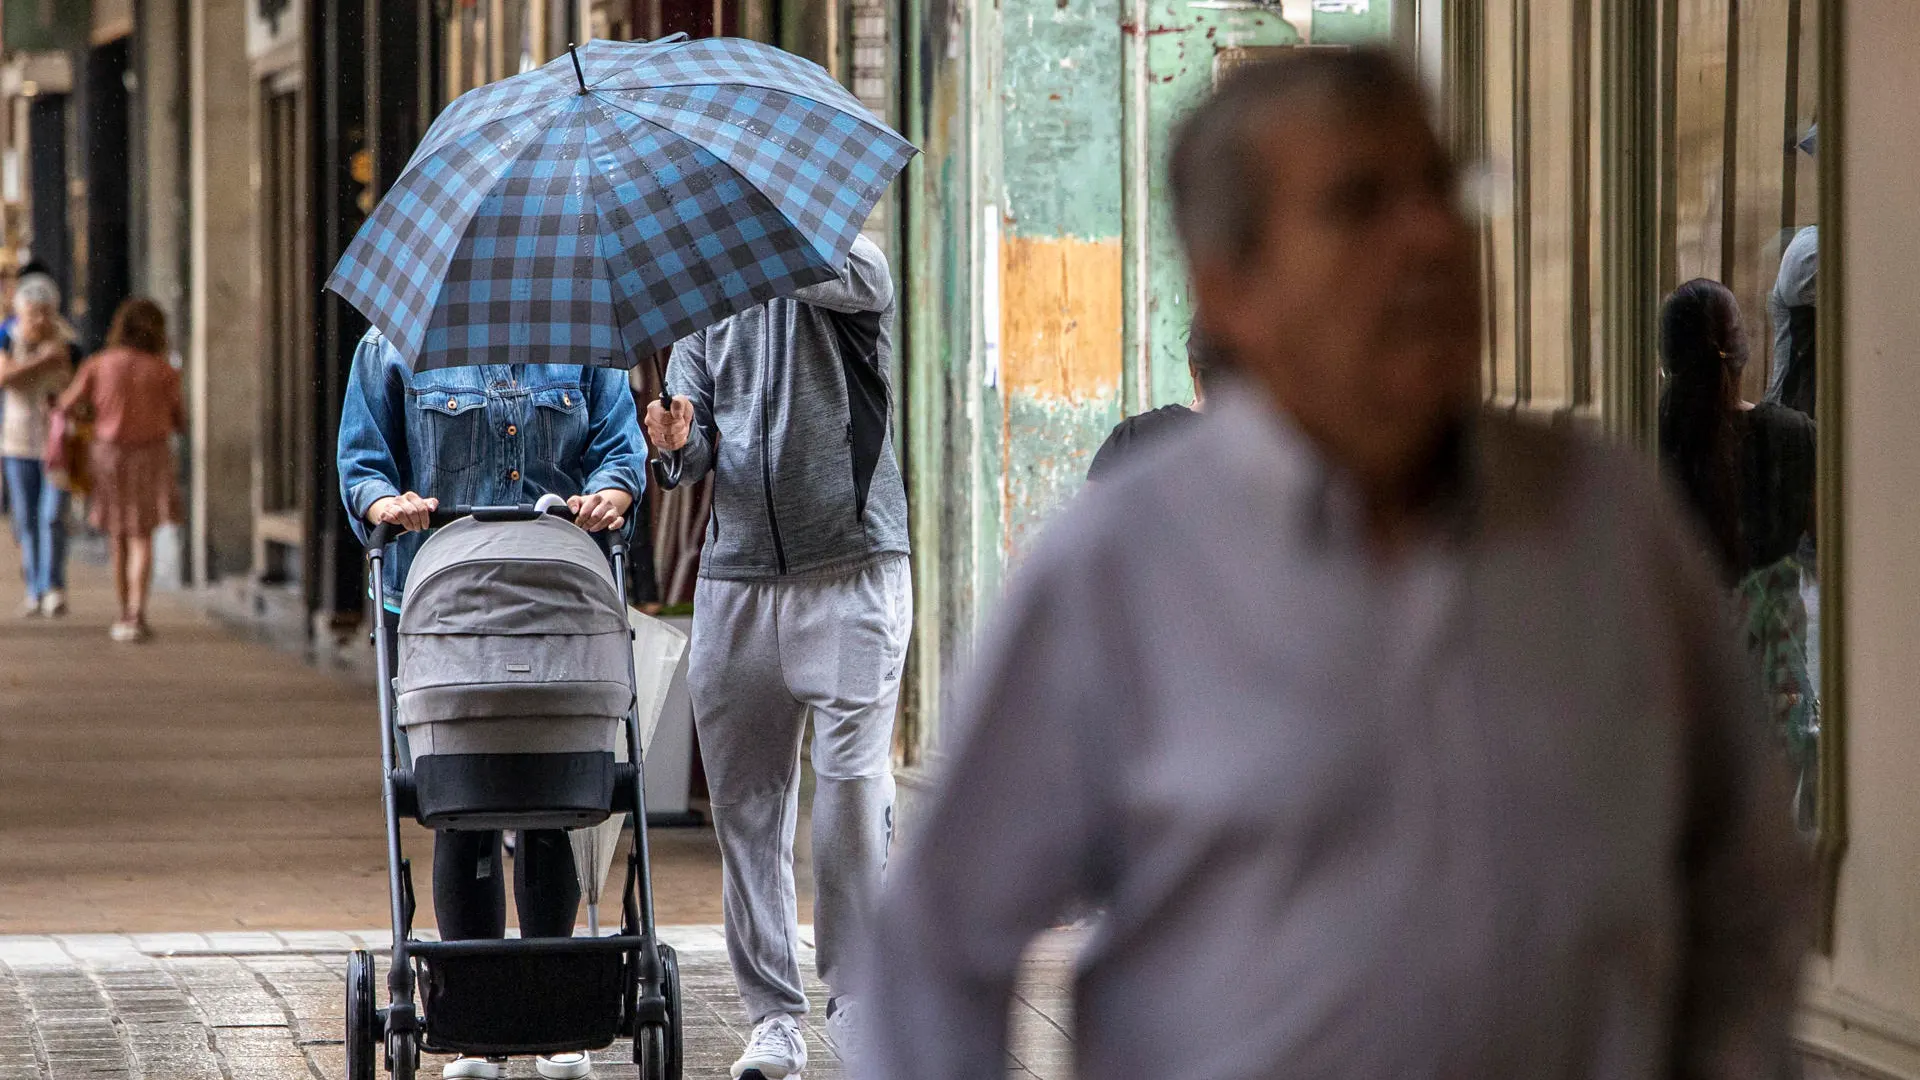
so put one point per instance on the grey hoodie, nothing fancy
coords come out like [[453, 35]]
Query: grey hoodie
[[792, 409]]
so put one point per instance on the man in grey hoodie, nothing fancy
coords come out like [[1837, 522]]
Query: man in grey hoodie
[[804, 603]]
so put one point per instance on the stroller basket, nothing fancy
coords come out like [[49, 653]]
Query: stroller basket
[[514, 791], [560, 999], [514, 674]]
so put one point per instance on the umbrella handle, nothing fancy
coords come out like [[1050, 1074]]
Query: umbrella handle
[[666, 471], [666, 467]]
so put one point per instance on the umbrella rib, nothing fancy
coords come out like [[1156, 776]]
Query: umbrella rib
[[828, 160], [596, 135], [825, 257], [466, 215], [599, 253], [427, 148], [759, 84], [840, 174]]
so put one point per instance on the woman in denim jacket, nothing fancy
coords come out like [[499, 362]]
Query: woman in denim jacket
[[488, 436]]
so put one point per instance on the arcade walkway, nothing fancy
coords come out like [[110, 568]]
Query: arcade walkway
[[201, 782], [188, 826]]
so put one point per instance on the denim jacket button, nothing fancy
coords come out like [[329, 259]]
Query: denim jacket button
[[453, 403], [514, 475], [512, 430], [566, 401]]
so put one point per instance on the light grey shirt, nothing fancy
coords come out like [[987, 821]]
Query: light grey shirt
[[1793, 287], [1501, 807]]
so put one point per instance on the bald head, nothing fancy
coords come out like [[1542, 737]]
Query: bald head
[[1331, 264]]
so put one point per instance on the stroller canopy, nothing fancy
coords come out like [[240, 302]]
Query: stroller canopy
[[512, 619], [511, 577]]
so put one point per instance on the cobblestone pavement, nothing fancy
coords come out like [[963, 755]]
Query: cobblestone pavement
[[269, 1006]]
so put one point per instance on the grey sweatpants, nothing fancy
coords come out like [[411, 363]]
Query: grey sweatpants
[[764, 653]]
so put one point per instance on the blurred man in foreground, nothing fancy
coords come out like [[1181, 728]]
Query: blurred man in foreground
[[1411, 743]]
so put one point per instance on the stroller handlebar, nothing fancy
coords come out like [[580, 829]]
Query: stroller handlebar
[[548, 506]]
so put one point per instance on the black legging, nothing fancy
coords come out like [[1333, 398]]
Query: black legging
[[469, 890]]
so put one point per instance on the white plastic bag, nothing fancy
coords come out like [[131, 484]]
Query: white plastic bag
[[657, 648]]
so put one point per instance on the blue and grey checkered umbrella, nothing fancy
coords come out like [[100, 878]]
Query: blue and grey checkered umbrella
[[601, 207]]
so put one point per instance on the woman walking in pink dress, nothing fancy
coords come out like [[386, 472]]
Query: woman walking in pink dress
[[134, 394]]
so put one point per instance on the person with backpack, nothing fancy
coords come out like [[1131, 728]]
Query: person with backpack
[[804, 603]]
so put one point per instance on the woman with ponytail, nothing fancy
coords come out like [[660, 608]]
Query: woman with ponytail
[[1747, 473]]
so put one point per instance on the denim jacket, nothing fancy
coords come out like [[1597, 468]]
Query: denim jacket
[[480, 436]]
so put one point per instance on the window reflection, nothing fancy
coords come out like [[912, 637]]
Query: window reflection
[[1737, 193], [1740, 189], [1746, 470]]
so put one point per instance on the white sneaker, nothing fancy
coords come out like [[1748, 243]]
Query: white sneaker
[[843, 1027], [475, 1068], [564, 1066], [30, 608], [54, 603], [774, 1053]]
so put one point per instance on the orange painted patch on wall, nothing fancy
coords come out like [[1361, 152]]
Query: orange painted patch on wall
[[1060, 317]]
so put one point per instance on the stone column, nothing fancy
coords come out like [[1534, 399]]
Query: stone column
[[160, 207], [223, 369], [159, 270]]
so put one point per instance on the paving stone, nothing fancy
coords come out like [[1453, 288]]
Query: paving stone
[[318, 940], [22, 952], [170, 943], [163, 1007], [235, 942]]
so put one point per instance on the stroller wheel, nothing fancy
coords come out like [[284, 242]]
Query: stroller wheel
[[404, 1059], [657, 1045], [363, 1021], [651, 1053]]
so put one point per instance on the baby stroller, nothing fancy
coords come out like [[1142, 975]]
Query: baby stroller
[[514, 681]]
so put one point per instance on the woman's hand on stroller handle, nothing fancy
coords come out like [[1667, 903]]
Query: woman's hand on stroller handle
[[601, 511], [411, 511]]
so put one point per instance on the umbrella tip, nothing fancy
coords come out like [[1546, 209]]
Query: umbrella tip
[[577, 73]]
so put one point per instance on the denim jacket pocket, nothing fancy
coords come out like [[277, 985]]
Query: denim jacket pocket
[[559, 423], [453, 428]]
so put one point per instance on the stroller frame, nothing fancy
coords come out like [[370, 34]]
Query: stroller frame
[[648, 1006]]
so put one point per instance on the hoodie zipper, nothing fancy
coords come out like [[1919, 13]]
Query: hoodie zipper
[[766, 450]]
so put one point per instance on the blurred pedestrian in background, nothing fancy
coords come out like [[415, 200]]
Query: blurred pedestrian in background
[[1136, 433], [9, 281], [1791, 305], [1747, 472], [133, 394], [1392, 740], [33, 371]]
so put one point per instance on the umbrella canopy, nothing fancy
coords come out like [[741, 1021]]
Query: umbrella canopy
[[603, 206]]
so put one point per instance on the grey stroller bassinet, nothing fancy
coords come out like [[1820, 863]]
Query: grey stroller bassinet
[[514, 675]]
